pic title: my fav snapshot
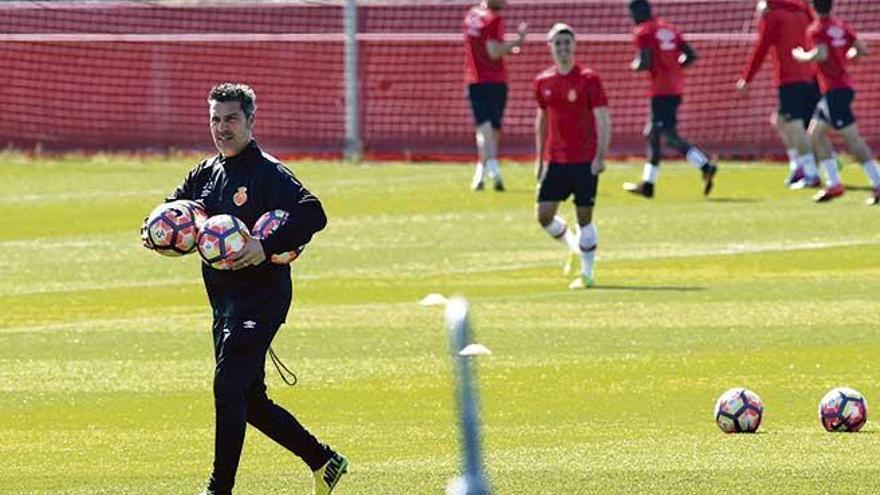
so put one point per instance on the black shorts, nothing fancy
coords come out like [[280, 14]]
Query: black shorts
[[797, 101], [835, 108], [487, 102], [562, 180], [664, 112]]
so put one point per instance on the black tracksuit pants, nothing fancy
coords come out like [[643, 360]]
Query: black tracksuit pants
[[240, 347]]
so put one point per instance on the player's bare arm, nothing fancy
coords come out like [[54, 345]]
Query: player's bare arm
[[603, 138], [497, 49], [688, 55], [540, 140], [817, 54], [642, 61]]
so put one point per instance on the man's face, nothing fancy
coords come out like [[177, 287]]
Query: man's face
[[562, 48], [230, 128]]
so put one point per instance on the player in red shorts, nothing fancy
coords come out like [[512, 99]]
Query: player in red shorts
[[782, 27], [663, 53], [572, 133], [486, 78], [833, 44]]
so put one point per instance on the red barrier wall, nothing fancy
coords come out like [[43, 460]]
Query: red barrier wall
[[130, 76]]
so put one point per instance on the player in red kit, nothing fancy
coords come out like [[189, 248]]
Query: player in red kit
[[663, 53], [572, 134], [781, 28], [486, 78], [833, 44]]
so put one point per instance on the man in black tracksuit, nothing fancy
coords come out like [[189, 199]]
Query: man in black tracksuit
[[250, 301]]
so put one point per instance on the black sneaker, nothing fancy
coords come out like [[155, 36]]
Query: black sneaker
[[499, 185], [645, 189], [709, 172], [329, 474]]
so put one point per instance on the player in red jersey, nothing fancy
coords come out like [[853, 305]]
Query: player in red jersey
[[833, 44], [572, 133], [663, 53], [782, 27], [486, 78]]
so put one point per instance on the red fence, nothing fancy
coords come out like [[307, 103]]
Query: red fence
[[135, 75]]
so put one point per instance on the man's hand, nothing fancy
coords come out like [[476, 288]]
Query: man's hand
[[145, 237], [598, 166], [742, 86], [251, 255], [635, 64]]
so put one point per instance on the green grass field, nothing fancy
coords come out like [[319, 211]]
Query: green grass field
[[106, 359]]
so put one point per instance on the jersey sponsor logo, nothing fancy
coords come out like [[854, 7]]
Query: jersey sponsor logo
[[837, 35], [572, 95], [666, 38], [240, 197]]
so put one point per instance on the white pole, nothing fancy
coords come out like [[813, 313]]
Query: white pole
[[473, 480], [352, 84]]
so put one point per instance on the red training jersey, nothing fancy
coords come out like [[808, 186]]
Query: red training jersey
[[664, 41], [783, 27], [569, 101], [482, 24], [838, 37]]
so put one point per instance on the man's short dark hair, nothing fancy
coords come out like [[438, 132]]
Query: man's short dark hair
[[640, 10], [823, 6], [242, 93]]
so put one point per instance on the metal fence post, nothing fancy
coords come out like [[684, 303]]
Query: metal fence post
[[352, 84]]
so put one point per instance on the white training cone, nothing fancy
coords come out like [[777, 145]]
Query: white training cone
[[475, 350], [433, 299]]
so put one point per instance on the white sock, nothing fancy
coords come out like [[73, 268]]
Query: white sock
[[479, 173], [559, 230], [696, 157], [493, 169], [792, 159], [650, 173], [831, 172], [588, 243], [871, 169], [808, 164]]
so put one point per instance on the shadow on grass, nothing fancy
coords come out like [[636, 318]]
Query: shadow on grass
[[659, 288], [734, 200], [859, 188]]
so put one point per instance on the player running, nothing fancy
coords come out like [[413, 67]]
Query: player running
[[663, 53], [782, 27], [486, 78], [572, 134], [833, 44]]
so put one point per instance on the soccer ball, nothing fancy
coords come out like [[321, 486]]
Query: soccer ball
[[843, 409], [172, 227], [270, 222], [739, 410], [220, 239]]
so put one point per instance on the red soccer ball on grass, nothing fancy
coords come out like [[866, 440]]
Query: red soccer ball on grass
[[843, 409]]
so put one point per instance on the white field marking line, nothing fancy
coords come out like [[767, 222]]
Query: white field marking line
[[55, 197], [331, 37], [110, 323], [67, 287], [422, 270]]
